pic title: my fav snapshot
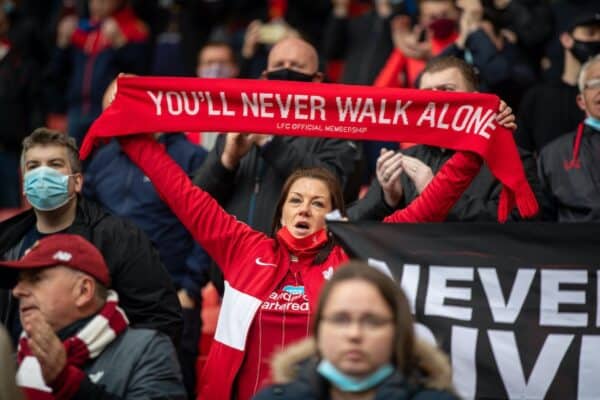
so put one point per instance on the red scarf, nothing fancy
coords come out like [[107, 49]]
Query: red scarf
[[458, 121], [87, 344], [300, 247]]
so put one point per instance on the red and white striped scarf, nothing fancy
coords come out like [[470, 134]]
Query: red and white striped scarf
[[88, 343]]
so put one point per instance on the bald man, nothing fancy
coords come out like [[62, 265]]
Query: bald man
[[245, 172]]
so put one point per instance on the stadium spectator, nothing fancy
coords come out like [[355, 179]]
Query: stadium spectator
[[115, 183], [92, 51], [568, 166], [215, 60], [363, 345], [52, 184], [549, 110], [21, 107], [245, 173], [502, 65], [271, 283], [76, 343], [402, 176]]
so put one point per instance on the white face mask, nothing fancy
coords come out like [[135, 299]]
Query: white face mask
[[215, 70]]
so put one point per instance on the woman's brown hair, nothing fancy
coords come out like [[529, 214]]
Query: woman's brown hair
[[337, 201], [403, 357]]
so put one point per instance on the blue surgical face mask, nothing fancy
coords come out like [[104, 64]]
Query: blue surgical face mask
[[349, 384], [46, 188], [593, 122]]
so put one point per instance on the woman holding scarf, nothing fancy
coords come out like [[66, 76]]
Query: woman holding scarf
[[272, 282]]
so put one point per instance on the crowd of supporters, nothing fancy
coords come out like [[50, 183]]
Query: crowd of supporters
[[161, 214]]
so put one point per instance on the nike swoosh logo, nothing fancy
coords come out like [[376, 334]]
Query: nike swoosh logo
[[97, 376], [264, 264]]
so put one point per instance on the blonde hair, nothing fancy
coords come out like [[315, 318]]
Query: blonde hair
[[8, 387]]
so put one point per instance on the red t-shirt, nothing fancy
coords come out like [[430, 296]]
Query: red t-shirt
[[282, 319]]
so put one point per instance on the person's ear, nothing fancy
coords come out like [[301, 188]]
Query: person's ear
[[581, 102], [77, 180], [85, 291]]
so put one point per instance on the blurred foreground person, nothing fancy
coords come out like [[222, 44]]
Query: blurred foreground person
[[364, 347]]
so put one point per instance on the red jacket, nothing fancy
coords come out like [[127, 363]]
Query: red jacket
[[244, 255]]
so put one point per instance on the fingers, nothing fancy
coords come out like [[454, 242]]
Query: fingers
[[505, 116], [385, 155], [411, 165], [395, 175], [387, 165]]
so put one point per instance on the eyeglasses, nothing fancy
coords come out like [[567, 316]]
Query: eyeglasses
[[367, 322], [592, 84]]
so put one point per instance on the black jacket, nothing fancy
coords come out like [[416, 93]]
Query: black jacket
[[145, 290], [571, 192], [295, 376], [478, 203], [547, 111]]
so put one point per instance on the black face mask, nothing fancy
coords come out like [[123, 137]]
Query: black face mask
[[287, 74], [583, 51]]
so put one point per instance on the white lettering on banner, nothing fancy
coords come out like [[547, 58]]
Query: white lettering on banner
[[175, 107], [458, 117], [504, 348], [441, 124], [503, 311], [226, 110], [300, 103], [438, 290], [348, 108], [156, 99], [424, 333], [401, 112], [272, 105], [317, 103], [382, 118], [265, 103], [507, 302], [284, 109], [474, 120], [478, 120], [589, 365], [463, 348], [428, 115], [355, 110], [381, 266], [552, 297], [186, 104], [410, 283], [250, 104], [368, 111]]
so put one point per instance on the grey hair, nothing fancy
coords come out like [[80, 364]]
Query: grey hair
[[583, 71]]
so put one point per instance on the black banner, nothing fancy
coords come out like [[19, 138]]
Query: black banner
[[515, 306]]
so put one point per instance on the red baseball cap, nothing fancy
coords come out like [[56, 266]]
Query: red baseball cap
[[71, 251]]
